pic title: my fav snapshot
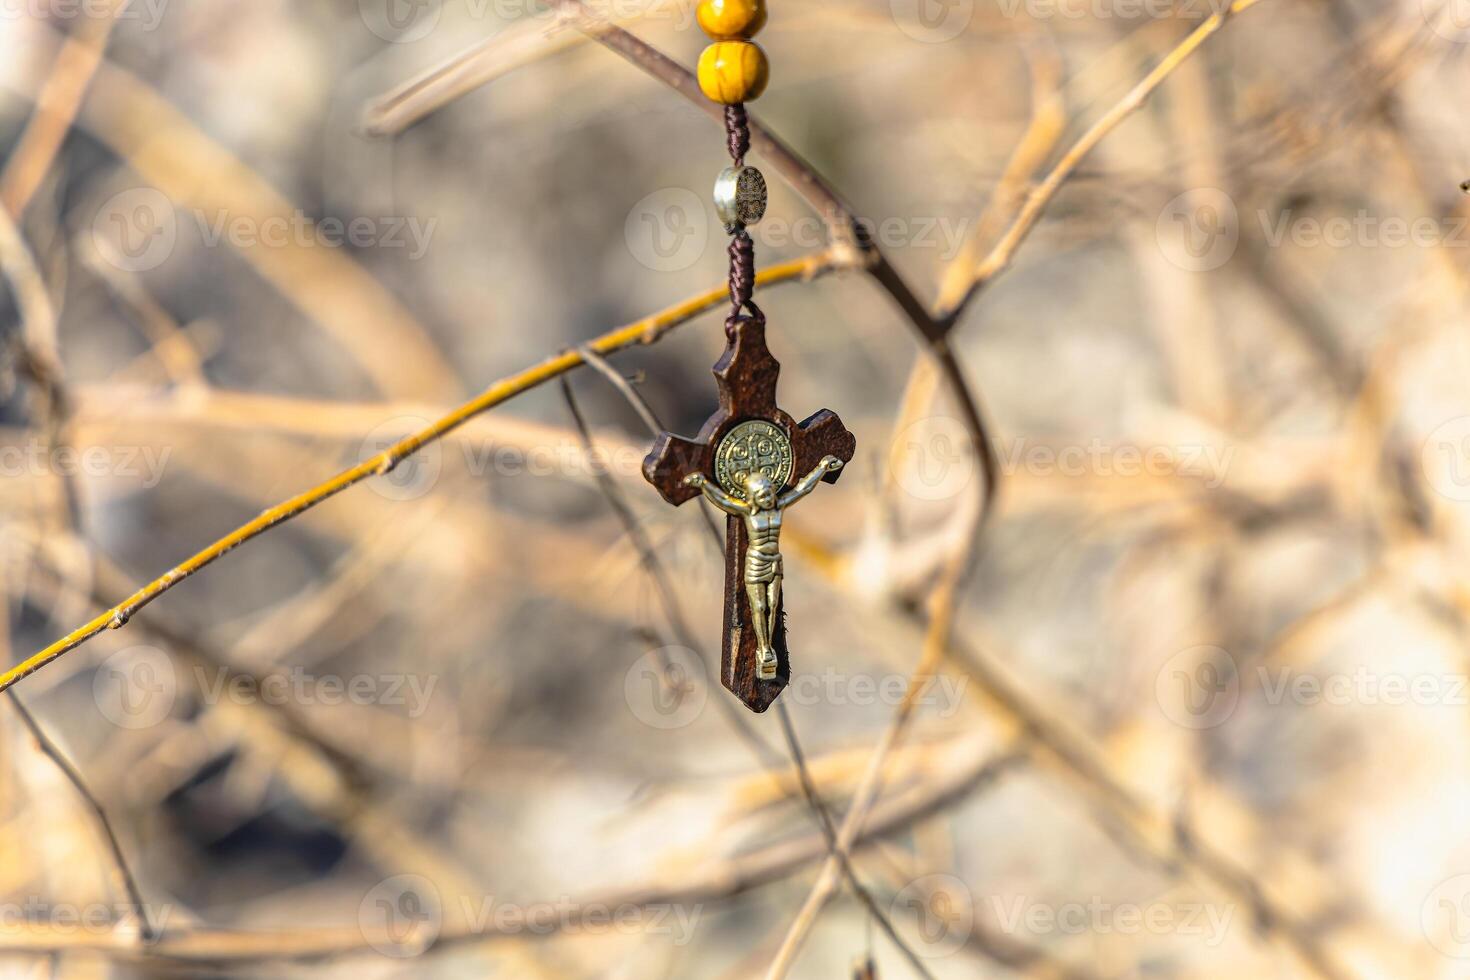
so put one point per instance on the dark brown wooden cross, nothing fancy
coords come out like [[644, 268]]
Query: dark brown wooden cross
[[746, 375]]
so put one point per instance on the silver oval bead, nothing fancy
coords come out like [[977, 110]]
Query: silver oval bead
[[740, 196]]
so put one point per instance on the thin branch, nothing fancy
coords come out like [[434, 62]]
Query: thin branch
[[1071, 753], [336, 785], [37, 312], [646, 331], [809, 790], [936, 641], [1048, 120], [56, 108], [849, 236], [625, 388], [40, 357], [651, 564], [169, 343], [1004, 251], [1060, 747], [166, 150], [521, 43], [650, 420], [668, 597], [719, 879], [845, 230], [125, 876], [937, 638], [647, 555], [847, 233]]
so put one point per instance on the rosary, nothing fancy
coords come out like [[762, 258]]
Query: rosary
[[751, 460]]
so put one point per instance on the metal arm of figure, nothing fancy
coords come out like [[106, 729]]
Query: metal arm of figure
[[809, 482], [718, 497], [739, 508]]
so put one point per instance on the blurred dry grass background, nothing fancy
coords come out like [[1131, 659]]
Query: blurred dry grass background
[[1193, 706]]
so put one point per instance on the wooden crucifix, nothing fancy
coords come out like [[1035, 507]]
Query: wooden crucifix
[[752, 461]]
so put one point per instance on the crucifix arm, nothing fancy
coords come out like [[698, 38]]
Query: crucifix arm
[[716, 496], [809, 482]]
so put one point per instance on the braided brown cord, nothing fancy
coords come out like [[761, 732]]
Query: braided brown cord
[[742, 276], [737, 132], [742, 249]]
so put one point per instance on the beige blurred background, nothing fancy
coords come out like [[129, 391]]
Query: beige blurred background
[[1200, 702]]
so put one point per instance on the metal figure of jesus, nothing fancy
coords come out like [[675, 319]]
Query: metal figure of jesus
[[761, 511], [751, 460]]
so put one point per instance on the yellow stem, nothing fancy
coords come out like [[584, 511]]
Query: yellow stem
[[645, 331]]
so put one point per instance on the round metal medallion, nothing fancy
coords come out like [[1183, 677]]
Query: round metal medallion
[[740, 196], [751, 447]]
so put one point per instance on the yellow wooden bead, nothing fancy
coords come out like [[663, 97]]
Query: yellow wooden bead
[[733, 71], [730, 19]]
